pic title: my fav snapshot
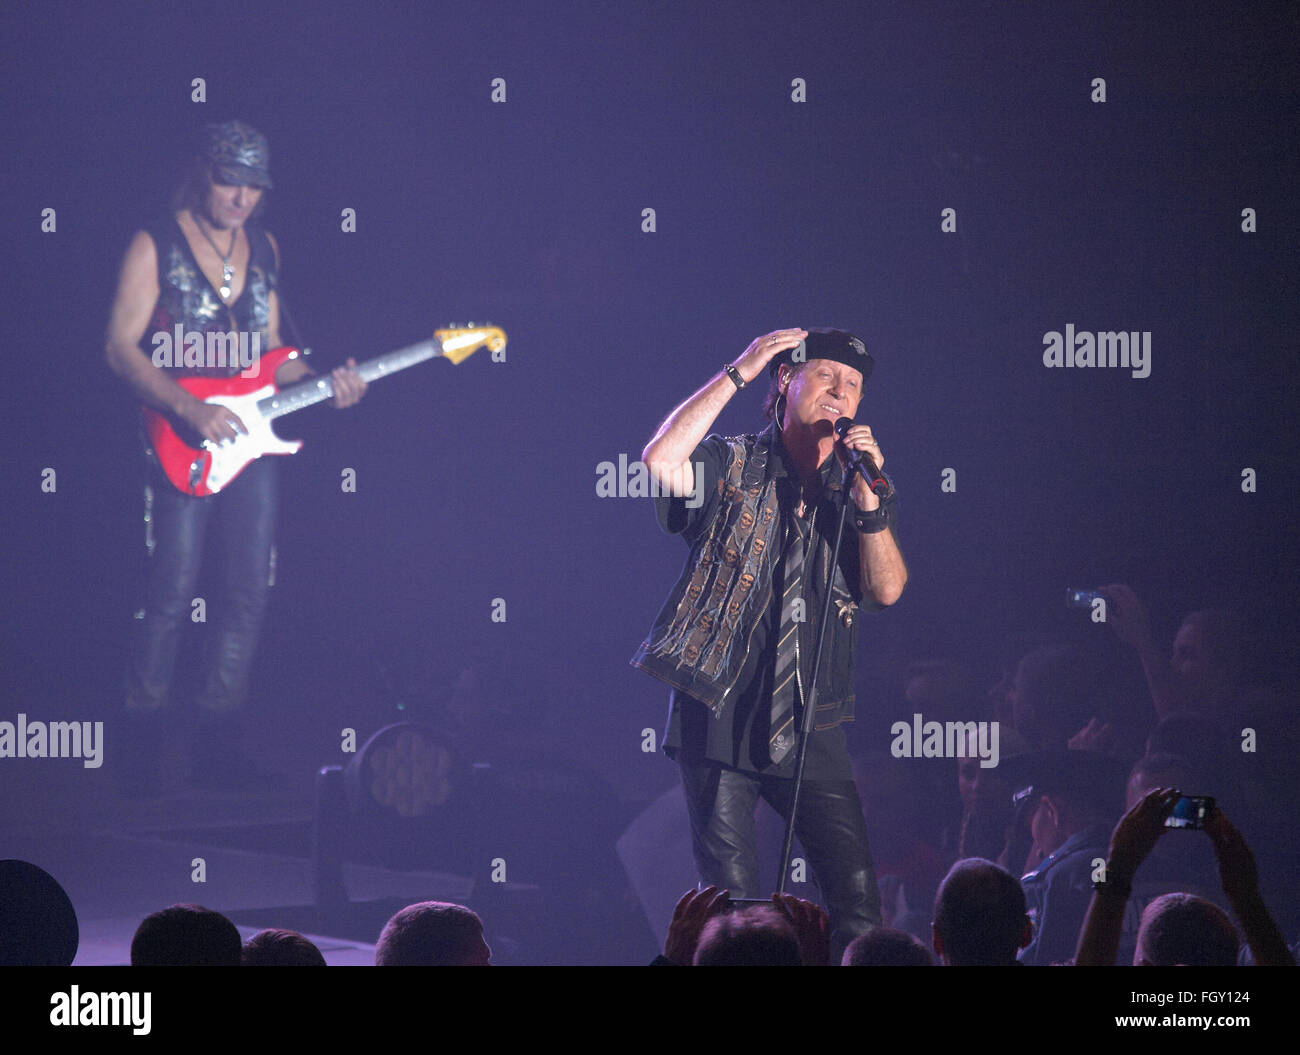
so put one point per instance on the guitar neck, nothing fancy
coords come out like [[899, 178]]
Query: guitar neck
[[308, 393]]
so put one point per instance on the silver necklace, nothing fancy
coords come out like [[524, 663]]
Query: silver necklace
[[227, 269]]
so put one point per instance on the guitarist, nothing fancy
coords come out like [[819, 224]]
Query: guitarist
[[207, 267]]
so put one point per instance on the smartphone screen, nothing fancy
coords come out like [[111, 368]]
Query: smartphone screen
[[1190, 811]]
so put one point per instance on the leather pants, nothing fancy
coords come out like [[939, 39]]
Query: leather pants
[[243, 515], [830, 827]]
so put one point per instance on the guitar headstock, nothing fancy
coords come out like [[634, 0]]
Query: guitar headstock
[[460, 342]]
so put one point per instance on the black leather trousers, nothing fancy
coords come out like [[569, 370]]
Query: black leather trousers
[[242, 519], [830, 828]]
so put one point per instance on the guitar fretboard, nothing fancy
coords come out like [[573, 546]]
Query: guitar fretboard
[[308, 393]]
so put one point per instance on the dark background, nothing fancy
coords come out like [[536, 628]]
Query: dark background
[[478, 481]]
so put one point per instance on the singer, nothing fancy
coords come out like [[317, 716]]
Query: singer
[[736, 637]]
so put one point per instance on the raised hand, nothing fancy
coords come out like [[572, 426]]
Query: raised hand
[[1237, 870], [811, 928], [693, 911], [1127, 615], [762, 350], [1095, 736], [1136, 834]]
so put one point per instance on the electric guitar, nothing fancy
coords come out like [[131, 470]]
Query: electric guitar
[[196, 466]]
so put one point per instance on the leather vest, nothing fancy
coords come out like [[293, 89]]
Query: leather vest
[[186, 298], [700, 640]]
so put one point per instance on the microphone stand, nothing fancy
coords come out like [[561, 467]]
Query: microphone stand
[[810, 704]]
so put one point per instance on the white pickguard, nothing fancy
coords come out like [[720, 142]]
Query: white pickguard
[[230, 457]]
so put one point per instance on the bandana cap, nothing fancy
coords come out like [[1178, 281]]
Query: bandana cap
[[239, 154]]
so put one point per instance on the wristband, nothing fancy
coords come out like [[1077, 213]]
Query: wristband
[[872, 523], [876, 520], [734, 374], [1113, 887]]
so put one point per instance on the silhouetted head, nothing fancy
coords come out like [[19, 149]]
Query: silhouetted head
[[1055, 692], [883, 947], [979, 916], [1067, 791], [755, 937], [1182, 930], [1159, 770], [38, 925], [1211, 654], [186, 936], [433, 934], [281, 948]]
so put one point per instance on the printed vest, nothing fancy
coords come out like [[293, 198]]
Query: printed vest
[[186, 298], [700, 640]]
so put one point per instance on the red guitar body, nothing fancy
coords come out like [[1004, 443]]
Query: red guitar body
[[206, 468]]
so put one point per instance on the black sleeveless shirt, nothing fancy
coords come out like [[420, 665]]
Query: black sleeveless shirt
[[186, 298]]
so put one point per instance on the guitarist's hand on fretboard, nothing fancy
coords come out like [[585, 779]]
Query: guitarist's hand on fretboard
[[348, 385]]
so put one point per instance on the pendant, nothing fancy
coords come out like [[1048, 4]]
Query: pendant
[[227, 273]]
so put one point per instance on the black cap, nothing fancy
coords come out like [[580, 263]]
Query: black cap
[[837, 345], [1087, 777]]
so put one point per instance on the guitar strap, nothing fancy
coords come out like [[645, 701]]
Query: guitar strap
[[296, 337], [285, 315]]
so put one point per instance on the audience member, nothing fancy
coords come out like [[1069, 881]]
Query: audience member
[[707, 931], [38, 925], [884, 947], [281, 948], [433, 934], [979, 916], [988, 814], [186, 936], [1075, 797], [1183, 930], [1177, 925], [1056, 692], [1182, 864], [758, 936], [1206, 669]]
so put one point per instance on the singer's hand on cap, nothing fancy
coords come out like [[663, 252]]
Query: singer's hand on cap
[[762, 350]]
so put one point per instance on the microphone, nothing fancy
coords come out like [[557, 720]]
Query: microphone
[[862, 462]]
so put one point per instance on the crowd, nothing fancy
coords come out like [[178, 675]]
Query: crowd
[[1066, 852]]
